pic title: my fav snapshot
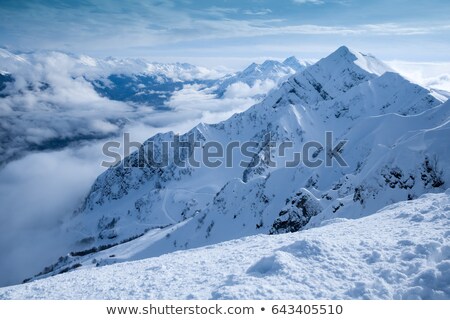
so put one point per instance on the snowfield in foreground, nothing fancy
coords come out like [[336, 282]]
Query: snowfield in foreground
[[400, 252]]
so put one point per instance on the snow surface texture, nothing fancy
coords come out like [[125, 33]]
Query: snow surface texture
[[400, 252], [398, 149]]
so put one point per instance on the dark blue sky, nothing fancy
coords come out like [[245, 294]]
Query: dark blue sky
[[229, 30]]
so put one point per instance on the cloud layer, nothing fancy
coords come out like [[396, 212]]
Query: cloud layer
[[430, 74], [51, 104], [51, 101], [37, 192]]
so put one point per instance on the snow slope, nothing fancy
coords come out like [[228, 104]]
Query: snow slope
[[50, 99], [400, 252]]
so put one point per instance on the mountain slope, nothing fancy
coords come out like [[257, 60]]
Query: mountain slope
[[400, 252], [396, 150]]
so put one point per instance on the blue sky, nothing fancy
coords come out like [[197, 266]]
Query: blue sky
[[229, 32]]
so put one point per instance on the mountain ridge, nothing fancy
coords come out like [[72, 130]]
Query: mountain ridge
[[378, 113]]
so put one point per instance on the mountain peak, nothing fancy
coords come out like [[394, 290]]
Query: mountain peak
[[291, 59], [343, 50], [269, 63], [342, 54], [340, 71], [369, 63], [268, 66], [295, 64]]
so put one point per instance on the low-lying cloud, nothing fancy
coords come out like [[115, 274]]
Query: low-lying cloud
[[37, 193], [51, 102], [429, 74]]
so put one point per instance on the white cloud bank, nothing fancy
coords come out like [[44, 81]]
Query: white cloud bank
[[429, 74], [42, 189], [37, 192]]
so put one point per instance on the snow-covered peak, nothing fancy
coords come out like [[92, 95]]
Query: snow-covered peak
[[266, 68], [337, 73], [343, 57], [296, 64], [292, 60], [270, 72]]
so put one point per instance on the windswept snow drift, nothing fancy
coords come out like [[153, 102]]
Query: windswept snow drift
[[400, 252]]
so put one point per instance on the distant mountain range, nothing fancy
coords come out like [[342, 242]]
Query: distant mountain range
[[269, 70], [74, 96]]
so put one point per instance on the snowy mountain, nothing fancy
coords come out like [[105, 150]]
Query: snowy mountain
[[400, 252], [295, 64], [390, 134], [269, 74], [50, 100]]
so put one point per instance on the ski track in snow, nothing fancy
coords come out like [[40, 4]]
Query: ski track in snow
[[400, 252]]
